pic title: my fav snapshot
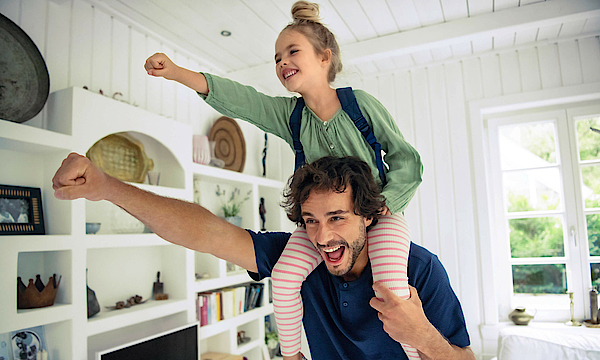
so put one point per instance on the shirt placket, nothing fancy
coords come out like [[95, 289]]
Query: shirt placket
[[332, 143]]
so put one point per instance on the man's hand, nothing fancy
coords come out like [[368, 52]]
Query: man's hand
[[78, 177], [403, 320], [160, 65]]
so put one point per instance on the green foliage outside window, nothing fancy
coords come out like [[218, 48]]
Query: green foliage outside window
[[539, 279]]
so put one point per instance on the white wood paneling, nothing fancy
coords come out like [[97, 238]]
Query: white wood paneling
[[101, 51], [120, 58], [454, 9], [572, 28], [430, 12], [549, 66], [154, 84], [548, 32], [57, 45], [480, 7], [570, 65], [424, 144], [444, 182], [169, 89], [356, 20], [405, 13], [530, 70], [590, 59], [137, 74], [472, 79], [379, 16], [80, 60], [182, 95], [509, 69], [490, 76]]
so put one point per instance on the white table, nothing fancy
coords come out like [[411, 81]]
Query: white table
[[548, 341]]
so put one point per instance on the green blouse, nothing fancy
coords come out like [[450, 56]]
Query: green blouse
[[338, 136]]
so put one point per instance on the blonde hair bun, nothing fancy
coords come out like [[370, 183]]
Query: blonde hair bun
[[307, 11]]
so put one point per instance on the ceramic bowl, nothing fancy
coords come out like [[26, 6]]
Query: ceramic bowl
[[92, 228]]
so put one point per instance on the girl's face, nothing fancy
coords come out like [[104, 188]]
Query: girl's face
[[297, 64]]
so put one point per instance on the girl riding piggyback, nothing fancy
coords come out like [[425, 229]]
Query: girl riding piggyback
[[323, 121]]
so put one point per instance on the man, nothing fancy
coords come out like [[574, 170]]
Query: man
[[329, 196]]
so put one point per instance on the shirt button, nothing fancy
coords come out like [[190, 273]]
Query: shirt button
[[345, 303], [331, 146], [345, 285], [325, 123]]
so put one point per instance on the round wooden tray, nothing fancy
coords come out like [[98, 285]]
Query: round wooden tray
[[230, 145]]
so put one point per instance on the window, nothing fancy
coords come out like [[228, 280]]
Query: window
[[546, 204]]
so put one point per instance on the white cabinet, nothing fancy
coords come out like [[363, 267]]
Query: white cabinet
[[119, 264]]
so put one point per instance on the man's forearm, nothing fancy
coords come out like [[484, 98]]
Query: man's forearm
[[435, 346], [184, 223]]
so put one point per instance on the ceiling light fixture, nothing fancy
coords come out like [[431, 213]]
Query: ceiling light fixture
[[226, 33]]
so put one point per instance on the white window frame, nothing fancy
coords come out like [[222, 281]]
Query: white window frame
[[479, 111]]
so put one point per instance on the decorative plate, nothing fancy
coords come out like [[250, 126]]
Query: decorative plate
[[121, 156], [24, 79], [229, 143]]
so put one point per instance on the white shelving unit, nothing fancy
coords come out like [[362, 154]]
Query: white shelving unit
[[120, 265]]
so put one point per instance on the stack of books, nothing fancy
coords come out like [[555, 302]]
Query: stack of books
[[223, 304]]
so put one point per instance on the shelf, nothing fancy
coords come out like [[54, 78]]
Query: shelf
[[123, 240], [111, 320], [249, 346], [29, 139], [42, 316], [33, 243], [234, 176], [224, 325], [222, 282]]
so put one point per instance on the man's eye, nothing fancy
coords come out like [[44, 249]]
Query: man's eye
[[336, 218], [309, 221]]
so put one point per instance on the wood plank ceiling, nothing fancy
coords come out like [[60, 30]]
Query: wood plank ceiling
[[376, 36]]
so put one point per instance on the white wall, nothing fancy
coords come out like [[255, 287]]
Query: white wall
[[431, 106], [90, 45]]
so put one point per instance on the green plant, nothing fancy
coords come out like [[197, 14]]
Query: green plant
[[271, 339], [231, 205]]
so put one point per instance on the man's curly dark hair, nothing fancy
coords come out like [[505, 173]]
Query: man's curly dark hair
[[337, 174]]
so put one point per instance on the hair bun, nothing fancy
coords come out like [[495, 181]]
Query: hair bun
[[304, 10]]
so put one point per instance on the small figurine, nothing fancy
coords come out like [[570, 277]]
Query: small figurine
[[262, 211], [264, 158]]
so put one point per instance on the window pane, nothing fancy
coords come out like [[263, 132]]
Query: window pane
[[595, 275], [539, 279], [588, 140], [526, 146], [593, 233], [591, 186], [536, 237], [532, 190]]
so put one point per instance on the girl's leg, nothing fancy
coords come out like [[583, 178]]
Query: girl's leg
[[299, 258], [389, 245]]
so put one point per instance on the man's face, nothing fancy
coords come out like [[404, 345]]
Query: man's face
[[337, 232]]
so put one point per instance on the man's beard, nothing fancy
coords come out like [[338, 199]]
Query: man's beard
[[355, 250]]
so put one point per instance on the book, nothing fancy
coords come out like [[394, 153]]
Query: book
[[228, 303]]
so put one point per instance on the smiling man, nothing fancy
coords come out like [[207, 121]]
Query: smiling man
[[337, 200]]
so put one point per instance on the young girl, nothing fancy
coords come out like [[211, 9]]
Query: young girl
[[306, 62]]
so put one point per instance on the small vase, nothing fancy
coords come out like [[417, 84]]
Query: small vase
[[235, 220], [520, 317]]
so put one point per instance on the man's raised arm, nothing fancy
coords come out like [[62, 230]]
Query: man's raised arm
[[180, 222]]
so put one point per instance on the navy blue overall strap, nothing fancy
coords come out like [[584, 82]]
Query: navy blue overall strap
[[350, 106], [295, 121]]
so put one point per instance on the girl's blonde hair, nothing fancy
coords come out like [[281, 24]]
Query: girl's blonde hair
[[307, 22]]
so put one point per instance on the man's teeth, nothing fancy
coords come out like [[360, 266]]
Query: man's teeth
[[290, 73], [332, 249]]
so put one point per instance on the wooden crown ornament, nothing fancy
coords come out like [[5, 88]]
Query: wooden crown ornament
[[36, 295]]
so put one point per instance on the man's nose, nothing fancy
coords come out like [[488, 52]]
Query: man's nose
[[323, 235]]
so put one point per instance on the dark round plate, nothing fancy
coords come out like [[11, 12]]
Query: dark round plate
[[24, 80]]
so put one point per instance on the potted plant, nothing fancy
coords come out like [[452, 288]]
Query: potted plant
[[232, 204]]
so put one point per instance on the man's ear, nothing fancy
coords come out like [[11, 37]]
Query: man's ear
[[368, 221]]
